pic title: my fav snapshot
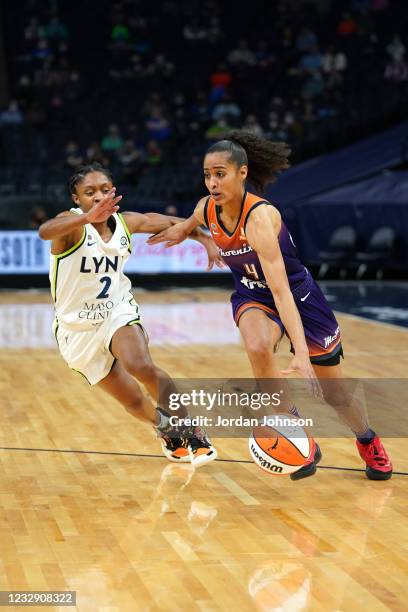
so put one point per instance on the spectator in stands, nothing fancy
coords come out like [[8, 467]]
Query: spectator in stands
[[56, 29], [24, 91], [179, 103], [42, 51], [137, 68], [274, 131], [73, 156], [305, 40], [396, 48], [226, 108], [73, 86], [347, 25], [12, 115], [242, 56], [334, 61], [199, 111], [94, 153], [130, 162], [396, 70], [139, 25], [286, 41], [311, 61], [38, 121], [292, 126], [264, 58], [193, 32], [61, 50], [251, 124], [153, 100], [112, 141], [160, 67], [309, 115], [154, 153], [157, 125], [56, 112], [12, 133], [38, 216], [218, 130], [214, 32], [34, 30], [276, 105], [120, 32], [220, 81], [313, 86]]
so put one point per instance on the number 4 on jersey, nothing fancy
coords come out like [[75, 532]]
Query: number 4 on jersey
[[250, 270]]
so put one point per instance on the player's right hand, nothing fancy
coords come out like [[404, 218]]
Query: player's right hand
[[102, 210], [301, 364], [171, 236]]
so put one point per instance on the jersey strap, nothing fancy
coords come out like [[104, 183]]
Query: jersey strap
[[250, 209], [206, 212], [213, 220]]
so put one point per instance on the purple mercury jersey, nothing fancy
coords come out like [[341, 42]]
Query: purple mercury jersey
[[252, 291]]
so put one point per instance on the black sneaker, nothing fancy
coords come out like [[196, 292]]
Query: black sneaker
[[175, 449], [310, 467]]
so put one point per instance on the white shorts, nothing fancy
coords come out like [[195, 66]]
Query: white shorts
[[88, 352]]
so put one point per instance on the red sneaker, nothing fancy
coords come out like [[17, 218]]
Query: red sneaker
[[310, 467], [378, 464]]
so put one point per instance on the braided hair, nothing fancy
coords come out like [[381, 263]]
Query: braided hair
[[81, 172], [265, 159]]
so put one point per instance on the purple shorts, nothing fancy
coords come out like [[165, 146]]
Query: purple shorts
[[321, 329]]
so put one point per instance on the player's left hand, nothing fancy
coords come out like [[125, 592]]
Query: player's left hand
[[301, 364]]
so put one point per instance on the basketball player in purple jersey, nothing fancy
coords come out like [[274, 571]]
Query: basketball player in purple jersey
[[274, 293]]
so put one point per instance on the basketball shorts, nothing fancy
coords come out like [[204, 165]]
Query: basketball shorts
[[88, 352], [321, 329]]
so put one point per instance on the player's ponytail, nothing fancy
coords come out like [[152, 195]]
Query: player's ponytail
[[264, 159]]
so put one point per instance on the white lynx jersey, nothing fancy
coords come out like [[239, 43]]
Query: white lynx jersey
[[87, 281]]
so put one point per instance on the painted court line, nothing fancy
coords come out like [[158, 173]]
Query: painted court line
[[153, 456]]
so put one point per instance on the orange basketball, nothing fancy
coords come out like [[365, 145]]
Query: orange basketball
[[280, 446]]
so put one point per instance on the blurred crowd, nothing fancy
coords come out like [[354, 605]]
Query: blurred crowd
[[142, 86]]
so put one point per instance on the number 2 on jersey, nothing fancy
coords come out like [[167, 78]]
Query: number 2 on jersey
[[250, 269], [104, 293]]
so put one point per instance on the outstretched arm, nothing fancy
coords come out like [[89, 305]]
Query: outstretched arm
[[262, 232], [178, 229], [66, 222], [66, 228], [149, 223]]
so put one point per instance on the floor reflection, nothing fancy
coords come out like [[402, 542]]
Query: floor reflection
[[30, 325]]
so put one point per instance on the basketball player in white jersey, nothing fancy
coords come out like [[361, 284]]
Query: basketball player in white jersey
[[97, 322]]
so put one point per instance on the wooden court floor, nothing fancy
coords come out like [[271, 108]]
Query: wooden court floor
[[89, 504]]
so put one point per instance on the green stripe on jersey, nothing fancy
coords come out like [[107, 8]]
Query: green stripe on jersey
[[83, 375], [128, 234]]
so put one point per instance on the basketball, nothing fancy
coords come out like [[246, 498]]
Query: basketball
[[280, 448]]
